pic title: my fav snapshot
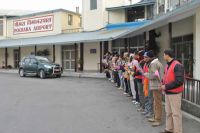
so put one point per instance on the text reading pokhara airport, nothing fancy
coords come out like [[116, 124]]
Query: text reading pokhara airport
[[35, 24]]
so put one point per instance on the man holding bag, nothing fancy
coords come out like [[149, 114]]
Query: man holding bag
[[154, 86]]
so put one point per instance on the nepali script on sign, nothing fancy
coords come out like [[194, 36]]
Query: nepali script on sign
[[34, 24]]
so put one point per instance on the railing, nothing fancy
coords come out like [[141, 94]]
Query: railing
[[192, 90]]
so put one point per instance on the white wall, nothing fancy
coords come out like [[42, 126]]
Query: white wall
[[92, 19], [197, 45], [58, 54], [91, 60], [97, 19], [11, 56], [117, 16], [183, 27]]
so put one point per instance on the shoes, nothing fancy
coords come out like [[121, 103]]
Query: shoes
[[112, 80], [144, 113], [120, 88], [133, 101], [140, 110], [125, 93], [165, 131], [151, 120], [137, 103], [149, 115], [155, 124], [128, 95]]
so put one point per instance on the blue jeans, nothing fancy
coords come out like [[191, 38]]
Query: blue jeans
[[121, 78], [149, 102]]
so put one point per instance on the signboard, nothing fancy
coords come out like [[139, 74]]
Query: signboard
[[34, 24]]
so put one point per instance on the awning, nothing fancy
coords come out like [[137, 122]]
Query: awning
[[102, 35], [142, 3], [110, 32]]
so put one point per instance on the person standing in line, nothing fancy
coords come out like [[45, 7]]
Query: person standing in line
[[154, 84], [126, 74], [138, 76], [121, 63], [147, 96], [173, 86]]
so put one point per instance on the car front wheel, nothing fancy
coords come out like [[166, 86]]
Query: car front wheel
[[21, 73], [42, 74]]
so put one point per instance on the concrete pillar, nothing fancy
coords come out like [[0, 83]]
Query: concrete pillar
[[35, 50], [6, 58], [76, 53], [81, 56], [145, 12], [54, 54], [101, 70], [196, 72]]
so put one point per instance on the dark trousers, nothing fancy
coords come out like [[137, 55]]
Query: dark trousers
[[116, 78], [140, 92], [136, 90], [126, 85]]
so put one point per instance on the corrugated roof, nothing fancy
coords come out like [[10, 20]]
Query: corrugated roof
[[102, 35], [126, 25]]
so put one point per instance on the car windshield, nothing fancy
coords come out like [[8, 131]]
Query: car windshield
[[43, 60]]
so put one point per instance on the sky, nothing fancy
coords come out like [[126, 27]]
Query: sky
[[40, 4]]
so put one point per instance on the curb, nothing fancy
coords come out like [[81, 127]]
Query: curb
[[65, 74]]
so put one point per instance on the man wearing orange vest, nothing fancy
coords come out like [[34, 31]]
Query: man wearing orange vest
[[172, 87]]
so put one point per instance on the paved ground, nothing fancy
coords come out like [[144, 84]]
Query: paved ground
[[70, 105]]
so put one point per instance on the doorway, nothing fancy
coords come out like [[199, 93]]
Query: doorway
[[68, 58], [16, 58]]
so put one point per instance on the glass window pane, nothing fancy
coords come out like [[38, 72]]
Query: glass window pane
[[67, 55], [93, 4], [67, 65], [72, 64], [72, 54]]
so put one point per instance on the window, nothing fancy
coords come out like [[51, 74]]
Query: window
[[70, 19], [93, 4], [183, 48], [33, 61], [135, 14], [26, 60], [1, 27]]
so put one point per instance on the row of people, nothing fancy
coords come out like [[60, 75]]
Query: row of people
[[141, 76]]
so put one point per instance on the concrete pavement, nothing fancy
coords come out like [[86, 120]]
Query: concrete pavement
[[70, 105]]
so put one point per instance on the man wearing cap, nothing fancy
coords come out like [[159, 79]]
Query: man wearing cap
[[147, 92], [154, 86]]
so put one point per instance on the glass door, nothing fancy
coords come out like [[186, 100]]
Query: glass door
[[16, 58], [69, 59]]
